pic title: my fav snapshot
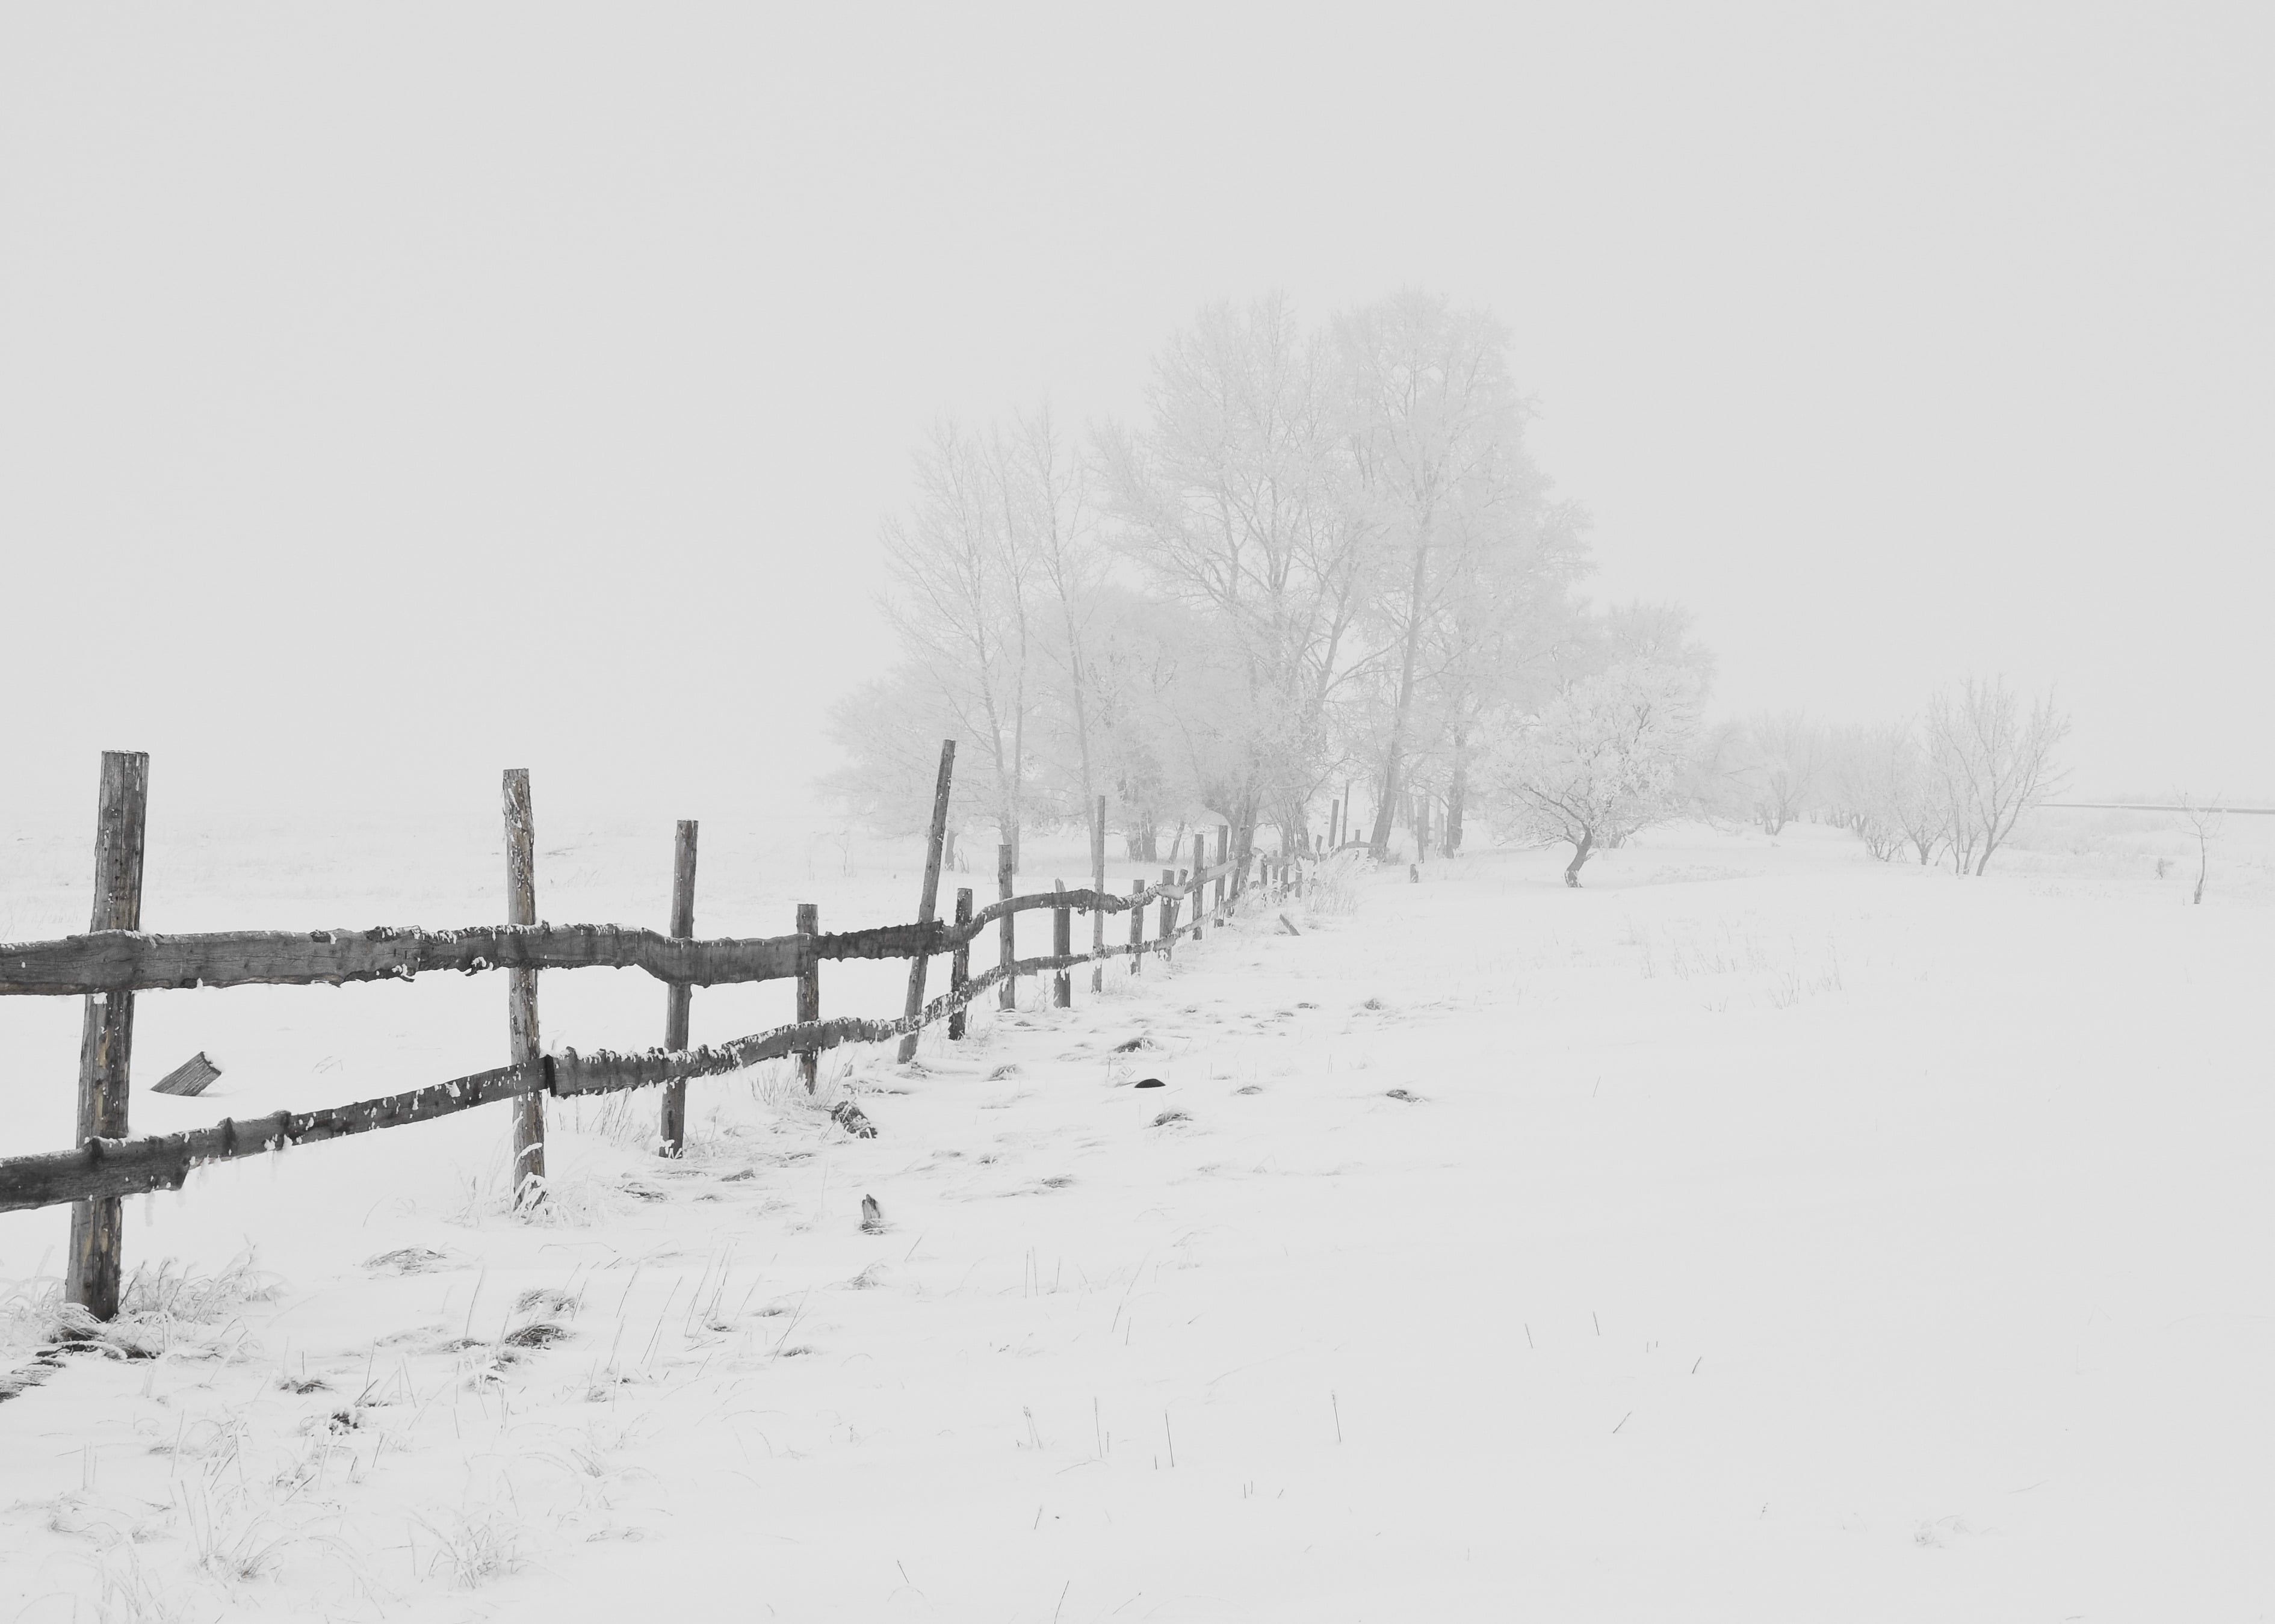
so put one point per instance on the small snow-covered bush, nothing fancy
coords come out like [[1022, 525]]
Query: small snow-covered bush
[[157, 1307], [1334, 887]]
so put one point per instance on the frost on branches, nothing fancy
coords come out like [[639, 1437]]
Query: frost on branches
[[1604, 758]]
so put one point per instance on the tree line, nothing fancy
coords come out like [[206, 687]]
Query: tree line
[[1321, 569]]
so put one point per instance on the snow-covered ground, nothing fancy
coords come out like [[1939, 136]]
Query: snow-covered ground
[[1759, 1232]]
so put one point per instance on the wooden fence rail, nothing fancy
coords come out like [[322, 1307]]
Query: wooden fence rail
[[111, 963], [105, 962]]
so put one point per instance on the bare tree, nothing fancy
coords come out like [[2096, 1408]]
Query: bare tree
[[1992, 761], [1436, 428], [1785, 768], [2204, 820], [959, 598], [890, 731], [1237, 503], [1047, 518]]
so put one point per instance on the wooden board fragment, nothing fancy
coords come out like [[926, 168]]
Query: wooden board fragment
[[189, 1079]]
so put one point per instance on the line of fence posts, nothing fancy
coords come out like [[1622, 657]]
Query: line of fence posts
[[96, 1270]]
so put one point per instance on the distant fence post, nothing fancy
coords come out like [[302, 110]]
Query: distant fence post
[[679, 997], [1198, 885], [1098, 890], [96, 1265], [1335, 817], [1007, 997], [521, 988], [809, 990], [1062, 945], [1136, 925], [927, 905], [959, 964], [1223, 856]]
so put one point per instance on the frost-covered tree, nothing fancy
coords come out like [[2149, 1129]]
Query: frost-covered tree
[[1876, 781], [1784, 769], [1992, 761], [890, 731], [1606, 758], [1051, 525], [960, 591], [1235, 501], [1437, 436]]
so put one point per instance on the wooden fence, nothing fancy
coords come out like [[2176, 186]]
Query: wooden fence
[[116, 959]]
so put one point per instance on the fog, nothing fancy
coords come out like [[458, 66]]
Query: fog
[[387, 397]]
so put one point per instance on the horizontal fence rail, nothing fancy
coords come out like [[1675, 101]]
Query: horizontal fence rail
[[102, 961]]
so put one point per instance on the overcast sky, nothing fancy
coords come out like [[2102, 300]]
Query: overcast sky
[[393, 393]]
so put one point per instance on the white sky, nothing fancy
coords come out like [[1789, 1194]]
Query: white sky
[[390, 395]]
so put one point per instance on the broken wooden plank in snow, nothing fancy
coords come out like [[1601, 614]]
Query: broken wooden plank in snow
[[189, 1079]]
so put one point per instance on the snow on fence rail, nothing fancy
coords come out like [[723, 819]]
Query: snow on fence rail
[[115, 960]]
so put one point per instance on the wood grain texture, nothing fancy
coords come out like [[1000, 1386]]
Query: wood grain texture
[[959, 967], [188, 1080], [809, 994], [528, 1048], [927, 900], [1062, 947], [679, 997], [1007, 923], [95, 1266], [1097, 885]]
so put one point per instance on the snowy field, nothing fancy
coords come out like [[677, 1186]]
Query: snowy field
[[1759, 1232]]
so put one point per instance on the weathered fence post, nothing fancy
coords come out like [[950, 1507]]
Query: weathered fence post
[[1062, 947], [678, 998], [1098, 892], [1223, 856], [1198, 885], [1170, 878], [521, 989], [927, 908], [97, 1266], [1007, 996], [809, 990], [959, 964], [1136, 925], [1334, 816]]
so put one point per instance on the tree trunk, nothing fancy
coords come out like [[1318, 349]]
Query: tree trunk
[[1580, 850], [1380, 845], [1457, 793]]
